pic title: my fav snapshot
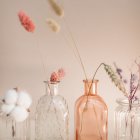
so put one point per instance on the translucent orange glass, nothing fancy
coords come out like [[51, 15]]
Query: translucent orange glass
[[91, 115]]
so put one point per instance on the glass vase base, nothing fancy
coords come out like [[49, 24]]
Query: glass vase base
[[52, 139], [92, 137]]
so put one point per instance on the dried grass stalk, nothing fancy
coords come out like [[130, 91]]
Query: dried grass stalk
[[57, 8], [55, 27]]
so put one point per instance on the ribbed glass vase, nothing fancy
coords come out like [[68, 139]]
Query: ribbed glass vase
[[11, 130], [52, 115], [127, 120], [91, 115]]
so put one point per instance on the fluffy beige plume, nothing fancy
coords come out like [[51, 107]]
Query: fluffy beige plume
[[57, 9], [55, 27], [115, 79]]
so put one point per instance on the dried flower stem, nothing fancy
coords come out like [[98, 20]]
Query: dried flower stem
[[13, 129], [76, 48], [95, 75]]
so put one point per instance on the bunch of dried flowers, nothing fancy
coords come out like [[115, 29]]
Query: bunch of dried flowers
[[121, 82], [115, 75]]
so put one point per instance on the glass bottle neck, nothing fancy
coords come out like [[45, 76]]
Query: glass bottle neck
[[90, 87], [124, 102], [51, 88]]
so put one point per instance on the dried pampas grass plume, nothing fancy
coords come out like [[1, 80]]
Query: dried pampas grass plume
[[57, 9], [55, 27]]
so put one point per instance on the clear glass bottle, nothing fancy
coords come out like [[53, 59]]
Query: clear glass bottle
[[11, 130], [52, 115], [127, 121], [91, 115]]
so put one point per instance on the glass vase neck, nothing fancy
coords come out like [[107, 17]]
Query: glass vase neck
[[51, 88], [124, 102], [90, 87]]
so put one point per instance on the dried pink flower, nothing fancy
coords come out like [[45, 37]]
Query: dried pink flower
[[26, 22], [57, 76], [61, 73], [54, 77]]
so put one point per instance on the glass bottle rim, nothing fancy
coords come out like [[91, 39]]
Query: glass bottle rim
[[125, 102], [52, 82], [91, 81]]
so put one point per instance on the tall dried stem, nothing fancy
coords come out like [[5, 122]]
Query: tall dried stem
[[76, 48]]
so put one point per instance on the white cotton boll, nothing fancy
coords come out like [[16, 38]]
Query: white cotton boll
[[11, 97], [7, 108], [24, 100], [19, 114]]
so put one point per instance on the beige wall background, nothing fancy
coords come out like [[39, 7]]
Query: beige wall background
[[106, 31]]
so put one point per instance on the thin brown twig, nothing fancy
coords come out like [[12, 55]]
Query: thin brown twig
[[75, 45]]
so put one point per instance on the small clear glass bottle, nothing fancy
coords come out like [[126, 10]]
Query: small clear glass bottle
[[52, 115], [127, 121], [11, 130], [91, 115]]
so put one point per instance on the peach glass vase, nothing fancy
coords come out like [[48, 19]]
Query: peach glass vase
[[91, 115]]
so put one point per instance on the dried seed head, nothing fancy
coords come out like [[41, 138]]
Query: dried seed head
[[55, 27], [57, 9], [115, 79], [16, 89], [3, 101]]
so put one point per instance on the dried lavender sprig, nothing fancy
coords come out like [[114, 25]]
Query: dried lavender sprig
[[135, 90], [118, 70], [115, 79]]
